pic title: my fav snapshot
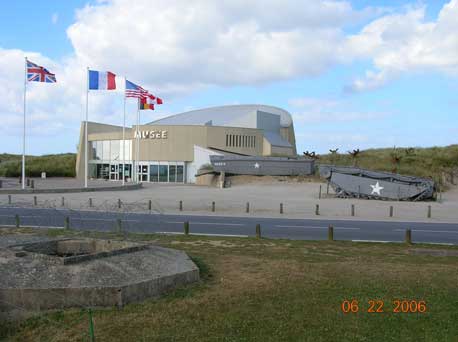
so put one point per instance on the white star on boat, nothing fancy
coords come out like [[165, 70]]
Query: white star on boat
[[256, 166], [376, 189]]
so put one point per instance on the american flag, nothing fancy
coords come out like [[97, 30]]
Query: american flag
[[133, 90], [36, 73]]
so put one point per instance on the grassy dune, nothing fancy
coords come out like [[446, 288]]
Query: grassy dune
[[277, 290], [55, 165]]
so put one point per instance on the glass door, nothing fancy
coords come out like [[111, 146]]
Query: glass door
[[114, 172], [143, 172]]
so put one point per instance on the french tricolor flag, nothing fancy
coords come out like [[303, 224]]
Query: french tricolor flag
[[102, 80]]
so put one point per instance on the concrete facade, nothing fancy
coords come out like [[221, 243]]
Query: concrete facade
[[165, 150]]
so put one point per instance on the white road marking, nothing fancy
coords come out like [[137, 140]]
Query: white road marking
[[381, 241], [96, 219], [209, 223], [203, 234], [428, 231], [316, 227]]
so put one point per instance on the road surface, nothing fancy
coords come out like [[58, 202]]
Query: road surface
[[296, 229]]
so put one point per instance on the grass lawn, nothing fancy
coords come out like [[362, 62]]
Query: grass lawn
[[276, 290]]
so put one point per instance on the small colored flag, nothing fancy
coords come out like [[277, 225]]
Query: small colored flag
[[36, 73], [147, 102], [133, 90], [158, 100], [102, 80]]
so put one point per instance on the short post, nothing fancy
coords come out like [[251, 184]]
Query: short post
[[90, 202], [359, 191], [186, 227], [327, 188], [150, 205], [281, 208], [9, 199], [352, 210], [1, 183], [35, 201], [62, 202], [18, 221], [181, 205], [119, 203], [317, 209], [119, 225], [32, 184], [247, 207], [28, 182], [391, 211], [408, 239], [319, 193], [330, 233], [67, 222], [213, 206], [429, 211], [258, 230]]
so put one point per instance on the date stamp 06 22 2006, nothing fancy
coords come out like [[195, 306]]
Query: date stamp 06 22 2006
[[378, 306]]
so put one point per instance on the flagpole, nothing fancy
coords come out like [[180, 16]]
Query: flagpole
[[85, 129], [23, 132], [124, 138], [138, 138]]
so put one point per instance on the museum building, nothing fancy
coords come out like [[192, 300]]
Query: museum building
[[174, 148]]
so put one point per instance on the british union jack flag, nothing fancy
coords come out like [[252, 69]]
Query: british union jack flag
[[36, 73]]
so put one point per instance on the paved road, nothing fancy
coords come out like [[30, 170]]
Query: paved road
[[297, 229]]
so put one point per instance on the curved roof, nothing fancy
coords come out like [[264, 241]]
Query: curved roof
[[230, 115]]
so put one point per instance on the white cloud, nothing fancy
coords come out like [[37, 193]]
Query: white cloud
[[401, 43]]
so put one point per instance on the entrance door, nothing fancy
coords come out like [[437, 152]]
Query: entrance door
[[114, 172], [143, 172]]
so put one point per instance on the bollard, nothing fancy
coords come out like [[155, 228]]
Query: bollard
[[352, 210], [181, 205], [359, 191], [90, 202], [119, 203], [327, 188], [213, 206], [1, 183], [319, 193], [331, 233], [317, 209], [258, 230], [247, 207], [18, 221], [408, 237], [186, 227], [391, 211], [429, 211], [119, 225], [35, 201], [28, 182], [9, 199], [32, 184], [150, 205], [62, 202], [67, 223], [281, 208]]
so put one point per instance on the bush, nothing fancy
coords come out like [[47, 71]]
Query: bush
[[55, 165]]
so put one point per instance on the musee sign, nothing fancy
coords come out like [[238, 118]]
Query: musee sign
[[151, 134]]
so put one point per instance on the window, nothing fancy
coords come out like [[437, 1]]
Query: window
[[172, 173], [98, 150], [227, 140], [254, 141], [180, 173], [154, 173], [106, 150], [114, 150], [163, 173]]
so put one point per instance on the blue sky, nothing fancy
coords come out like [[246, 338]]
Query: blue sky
[[343, 89]]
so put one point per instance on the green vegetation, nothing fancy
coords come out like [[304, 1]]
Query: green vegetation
[[430, 162], [276, 290], [55, 165]]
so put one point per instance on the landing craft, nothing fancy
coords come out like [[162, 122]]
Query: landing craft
[[360, 183]]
